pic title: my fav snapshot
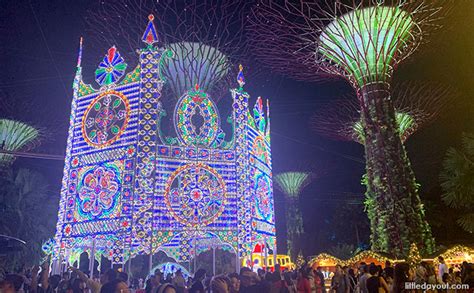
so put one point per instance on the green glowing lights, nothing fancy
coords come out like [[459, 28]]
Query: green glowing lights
[[194, 63], [364, 42], [14, 136], [291, 183], [406, 124]]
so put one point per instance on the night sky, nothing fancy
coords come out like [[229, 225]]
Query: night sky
[[38, 52]]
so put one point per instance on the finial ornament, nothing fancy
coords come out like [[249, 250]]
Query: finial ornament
[[150, 35], [111, 69], [240, 77], [79, 56]]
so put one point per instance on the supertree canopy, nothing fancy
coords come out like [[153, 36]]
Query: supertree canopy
[[291, 184], [416, 105], [194, 63], [361, 41], [15, 136]]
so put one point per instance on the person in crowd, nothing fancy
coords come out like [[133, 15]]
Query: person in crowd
[[107, 276], [122, 276], [7, 286], [291, 284], [469, 276], [12, 283], [179, 282], [277, 283], [339, 281], [198, 286], [421, 273], [234, 283], [442, 268], [376, 283], [319, 273], [363, 276], [303, 285], [149, 285], [249, 281], [400, 277], [352, 280], [220, 284], [77, 286], [166, 288], [446, 279], [115, 286], [64, 283], [388, 271], [261, 274]]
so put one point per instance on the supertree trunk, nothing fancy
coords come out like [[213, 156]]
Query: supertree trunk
[[294, 227], [398, 217]]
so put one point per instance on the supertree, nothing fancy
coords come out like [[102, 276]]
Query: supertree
[[361, 41], [15, 136], [416, 105], [291, 184], [205, 38]]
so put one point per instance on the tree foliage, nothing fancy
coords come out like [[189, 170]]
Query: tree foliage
[[28, 212], [457, 181]]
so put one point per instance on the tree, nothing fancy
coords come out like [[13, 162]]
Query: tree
[[457, 181], [344, 251], [28, 213], [291, 184], [361, 41], [15, 136]]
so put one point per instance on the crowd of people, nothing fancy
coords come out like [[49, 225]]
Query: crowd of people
[[365, 278]]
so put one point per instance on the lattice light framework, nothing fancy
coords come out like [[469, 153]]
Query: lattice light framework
[[195, 63], [128, 189], [15, 136], [416, 106]]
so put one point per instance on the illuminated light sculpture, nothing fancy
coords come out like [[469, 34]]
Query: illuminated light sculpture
[[416, 106], [15, 136], [291, 184], [361, 41], [128, 190]]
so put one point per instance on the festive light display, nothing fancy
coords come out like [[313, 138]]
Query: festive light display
[[15, 136], [362, 42], [291, 184], [170, 268], [128, 189], [367, 256]]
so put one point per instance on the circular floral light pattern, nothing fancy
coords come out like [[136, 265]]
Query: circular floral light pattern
[[196, 120], [195, 195], [263, 191], [98, 192], [105, 119]]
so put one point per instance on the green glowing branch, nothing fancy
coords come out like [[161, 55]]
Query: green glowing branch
[[292, 183], [15, 136]]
